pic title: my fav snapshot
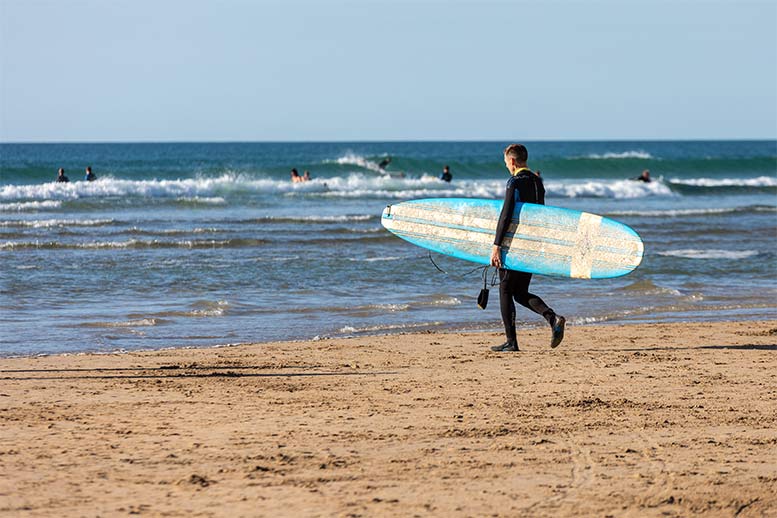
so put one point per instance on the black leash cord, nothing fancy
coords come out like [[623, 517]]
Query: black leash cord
[[484, 273]]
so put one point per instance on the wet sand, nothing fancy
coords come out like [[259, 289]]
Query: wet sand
[[637, 420]]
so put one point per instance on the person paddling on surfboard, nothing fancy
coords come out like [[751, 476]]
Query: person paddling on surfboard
[[524, 186]]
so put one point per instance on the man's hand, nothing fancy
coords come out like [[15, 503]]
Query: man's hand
[[496, 256]]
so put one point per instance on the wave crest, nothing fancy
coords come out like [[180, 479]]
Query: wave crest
[[610, 155], [692, 253], [226, 188]]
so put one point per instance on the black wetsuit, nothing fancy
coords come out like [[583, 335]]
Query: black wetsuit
[[446, 176], [62, 179], [524, 187]]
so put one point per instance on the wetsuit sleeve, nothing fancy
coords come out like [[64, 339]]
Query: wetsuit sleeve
[[541, 197], [507, 213]]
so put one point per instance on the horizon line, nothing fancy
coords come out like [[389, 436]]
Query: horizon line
[[375, 141]]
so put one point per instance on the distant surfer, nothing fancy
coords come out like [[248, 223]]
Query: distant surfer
[[446, 175], [384, 163], [295, 177], [644, 177], [90, 176], [524, 186], [306, 176], [61, 178]]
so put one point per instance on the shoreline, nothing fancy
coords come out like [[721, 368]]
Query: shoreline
[[431, 329], [626, 420]]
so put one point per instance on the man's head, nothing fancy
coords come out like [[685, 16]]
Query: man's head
[[516, 156], [61, 171], [88, 169], [446, 169]]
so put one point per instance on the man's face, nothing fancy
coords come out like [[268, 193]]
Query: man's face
[[508, 163]]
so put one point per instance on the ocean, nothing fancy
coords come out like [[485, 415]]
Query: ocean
[[205, 244]]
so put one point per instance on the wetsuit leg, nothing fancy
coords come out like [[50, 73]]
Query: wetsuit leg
[[528, 300], [506, 305]]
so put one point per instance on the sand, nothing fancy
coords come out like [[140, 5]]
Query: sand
[[637, 420]]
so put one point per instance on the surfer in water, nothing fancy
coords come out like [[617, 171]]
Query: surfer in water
[[446, 175], [61, 178], [644, 177], [524, 186], [384, 163]]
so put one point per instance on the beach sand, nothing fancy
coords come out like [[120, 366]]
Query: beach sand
[[621, 420]]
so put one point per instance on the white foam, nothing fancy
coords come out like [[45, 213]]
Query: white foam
[[643, 155], [386, 327], [208, 200], [357, 160], [29, 206], [446, 301], [143, 322], [692, 253], [323, 219], [619, 189], [761, 181], [354, 185], [46, 223], [690, 212], [106, 245], [374, 259]]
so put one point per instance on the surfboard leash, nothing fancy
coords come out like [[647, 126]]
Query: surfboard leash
[[483, 295], [456, 275]]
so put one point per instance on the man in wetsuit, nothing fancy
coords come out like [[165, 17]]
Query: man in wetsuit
[[524, 186], [89, 176], [446, 175], [644, 177], [384, 163], [61, 178]]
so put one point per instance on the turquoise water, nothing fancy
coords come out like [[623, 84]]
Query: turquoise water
[[208, 244]]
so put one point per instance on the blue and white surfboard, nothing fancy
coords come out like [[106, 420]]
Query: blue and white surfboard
[[541, 239]]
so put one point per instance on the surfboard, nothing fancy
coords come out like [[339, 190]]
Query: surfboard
[[540, 239]]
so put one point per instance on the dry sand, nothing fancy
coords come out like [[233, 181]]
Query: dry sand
[[639, 420]]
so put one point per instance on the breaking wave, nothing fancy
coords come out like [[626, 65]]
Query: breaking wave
[[639, 154], [692, 253], [229, 188]]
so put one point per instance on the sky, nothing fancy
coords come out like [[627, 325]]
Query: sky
[[165, 70]]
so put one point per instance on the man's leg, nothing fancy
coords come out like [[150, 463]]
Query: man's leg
[[529, 300], [536, 304], [507, 308]]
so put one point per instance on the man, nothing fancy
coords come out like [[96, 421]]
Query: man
[[90, 176], [644, 177], [295, 177], [524, 186], [384, 163], [61, 178], [446, 175]]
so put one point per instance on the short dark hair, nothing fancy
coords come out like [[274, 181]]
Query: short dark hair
[[294, 170], [518, 152], [445, 167]]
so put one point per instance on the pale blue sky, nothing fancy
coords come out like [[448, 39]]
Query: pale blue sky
[[139, 70]]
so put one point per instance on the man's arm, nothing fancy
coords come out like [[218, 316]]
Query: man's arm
[[504, 222]]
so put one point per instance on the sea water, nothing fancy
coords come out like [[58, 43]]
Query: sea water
[[208, 244]]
